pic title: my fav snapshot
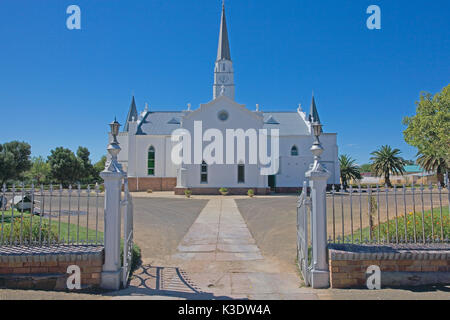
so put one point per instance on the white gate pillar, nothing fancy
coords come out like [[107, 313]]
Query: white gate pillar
[[318, 176], [113, 176]]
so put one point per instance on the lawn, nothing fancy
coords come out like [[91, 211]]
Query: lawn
[[411, 220], [42, 230], [65, 230]]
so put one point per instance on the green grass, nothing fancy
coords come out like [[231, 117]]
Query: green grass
[[64, 229], [57, 231], [411, 220]]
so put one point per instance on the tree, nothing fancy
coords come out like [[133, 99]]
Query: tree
[[365, 168], [14, 160], [40, 170], [65, 167], [432, 163], [99, 167], [429, 129], [87, 171], [386, 161], [349, 170], [409, 162]]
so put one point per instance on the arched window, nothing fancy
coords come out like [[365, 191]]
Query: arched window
[[151, 161], [241, 173], [294, 151], [204, 173]]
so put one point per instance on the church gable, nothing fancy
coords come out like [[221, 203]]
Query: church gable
[[225, 113]]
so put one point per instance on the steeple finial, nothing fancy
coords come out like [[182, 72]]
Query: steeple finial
[[313, 114], [223, 51], [132, 114]]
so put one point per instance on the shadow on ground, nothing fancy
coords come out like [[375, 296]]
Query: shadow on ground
[[163, 282]]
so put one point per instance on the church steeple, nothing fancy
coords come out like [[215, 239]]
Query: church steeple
[[223, 51], [313, 113], [223, 71], [132, 114]]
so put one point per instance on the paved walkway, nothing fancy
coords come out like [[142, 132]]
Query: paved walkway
[[218, 259]]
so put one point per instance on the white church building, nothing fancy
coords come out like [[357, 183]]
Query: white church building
[[147, 143]]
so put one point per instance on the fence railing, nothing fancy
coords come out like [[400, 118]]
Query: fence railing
[[38, 216], [402, 214], [304, 236], [127, 208]]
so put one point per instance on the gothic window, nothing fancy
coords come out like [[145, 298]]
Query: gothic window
[[294, 151], [151, 161], [204, 173], [241, 173]]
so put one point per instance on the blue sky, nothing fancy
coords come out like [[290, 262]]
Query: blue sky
[[61, 87]]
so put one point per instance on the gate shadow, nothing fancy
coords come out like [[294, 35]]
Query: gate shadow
[[171, 282]]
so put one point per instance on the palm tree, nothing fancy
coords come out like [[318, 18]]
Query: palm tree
[[386, 161], [433, 163], [349, 170]]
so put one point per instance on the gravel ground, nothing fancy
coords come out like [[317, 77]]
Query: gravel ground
[[160, 224], [272, 222]]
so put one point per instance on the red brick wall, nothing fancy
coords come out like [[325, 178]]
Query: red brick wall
[[348, 269], [155, 184], [50, 271], [215, 191]]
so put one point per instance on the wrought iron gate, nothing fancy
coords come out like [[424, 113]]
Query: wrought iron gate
[[127, 207], [304, 237]]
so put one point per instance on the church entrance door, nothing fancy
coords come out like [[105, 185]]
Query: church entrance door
[[272, 182]]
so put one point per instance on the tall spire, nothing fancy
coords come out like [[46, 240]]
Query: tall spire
[[313, 114], [223, 70], [223, 51], [132, 114]]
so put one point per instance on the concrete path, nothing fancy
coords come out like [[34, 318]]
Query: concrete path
[[219, 234], [218, 258]]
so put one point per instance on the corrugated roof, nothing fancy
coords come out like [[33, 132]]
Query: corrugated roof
[[289, 123], [159, 123], [413, 169], [165, 122]]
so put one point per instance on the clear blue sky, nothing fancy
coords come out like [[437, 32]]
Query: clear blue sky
[[61, 88]]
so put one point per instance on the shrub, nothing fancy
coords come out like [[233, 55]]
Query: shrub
[[223, 190], [251, 192], [136, 256], [187, 193]]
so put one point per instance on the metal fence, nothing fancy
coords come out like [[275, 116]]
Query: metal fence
[[304, 236], [38, 216], [402, 214], [127, 207]]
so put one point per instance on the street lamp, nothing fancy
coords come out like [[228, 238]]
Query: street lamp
[[317, 148], [317, 129], [114, 149], [115, 130]]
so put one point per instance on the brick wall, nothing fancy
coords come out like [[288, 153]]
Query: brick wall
[[399, 265], [155, 184], [215, 191], [297, 190], [40, 268]]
